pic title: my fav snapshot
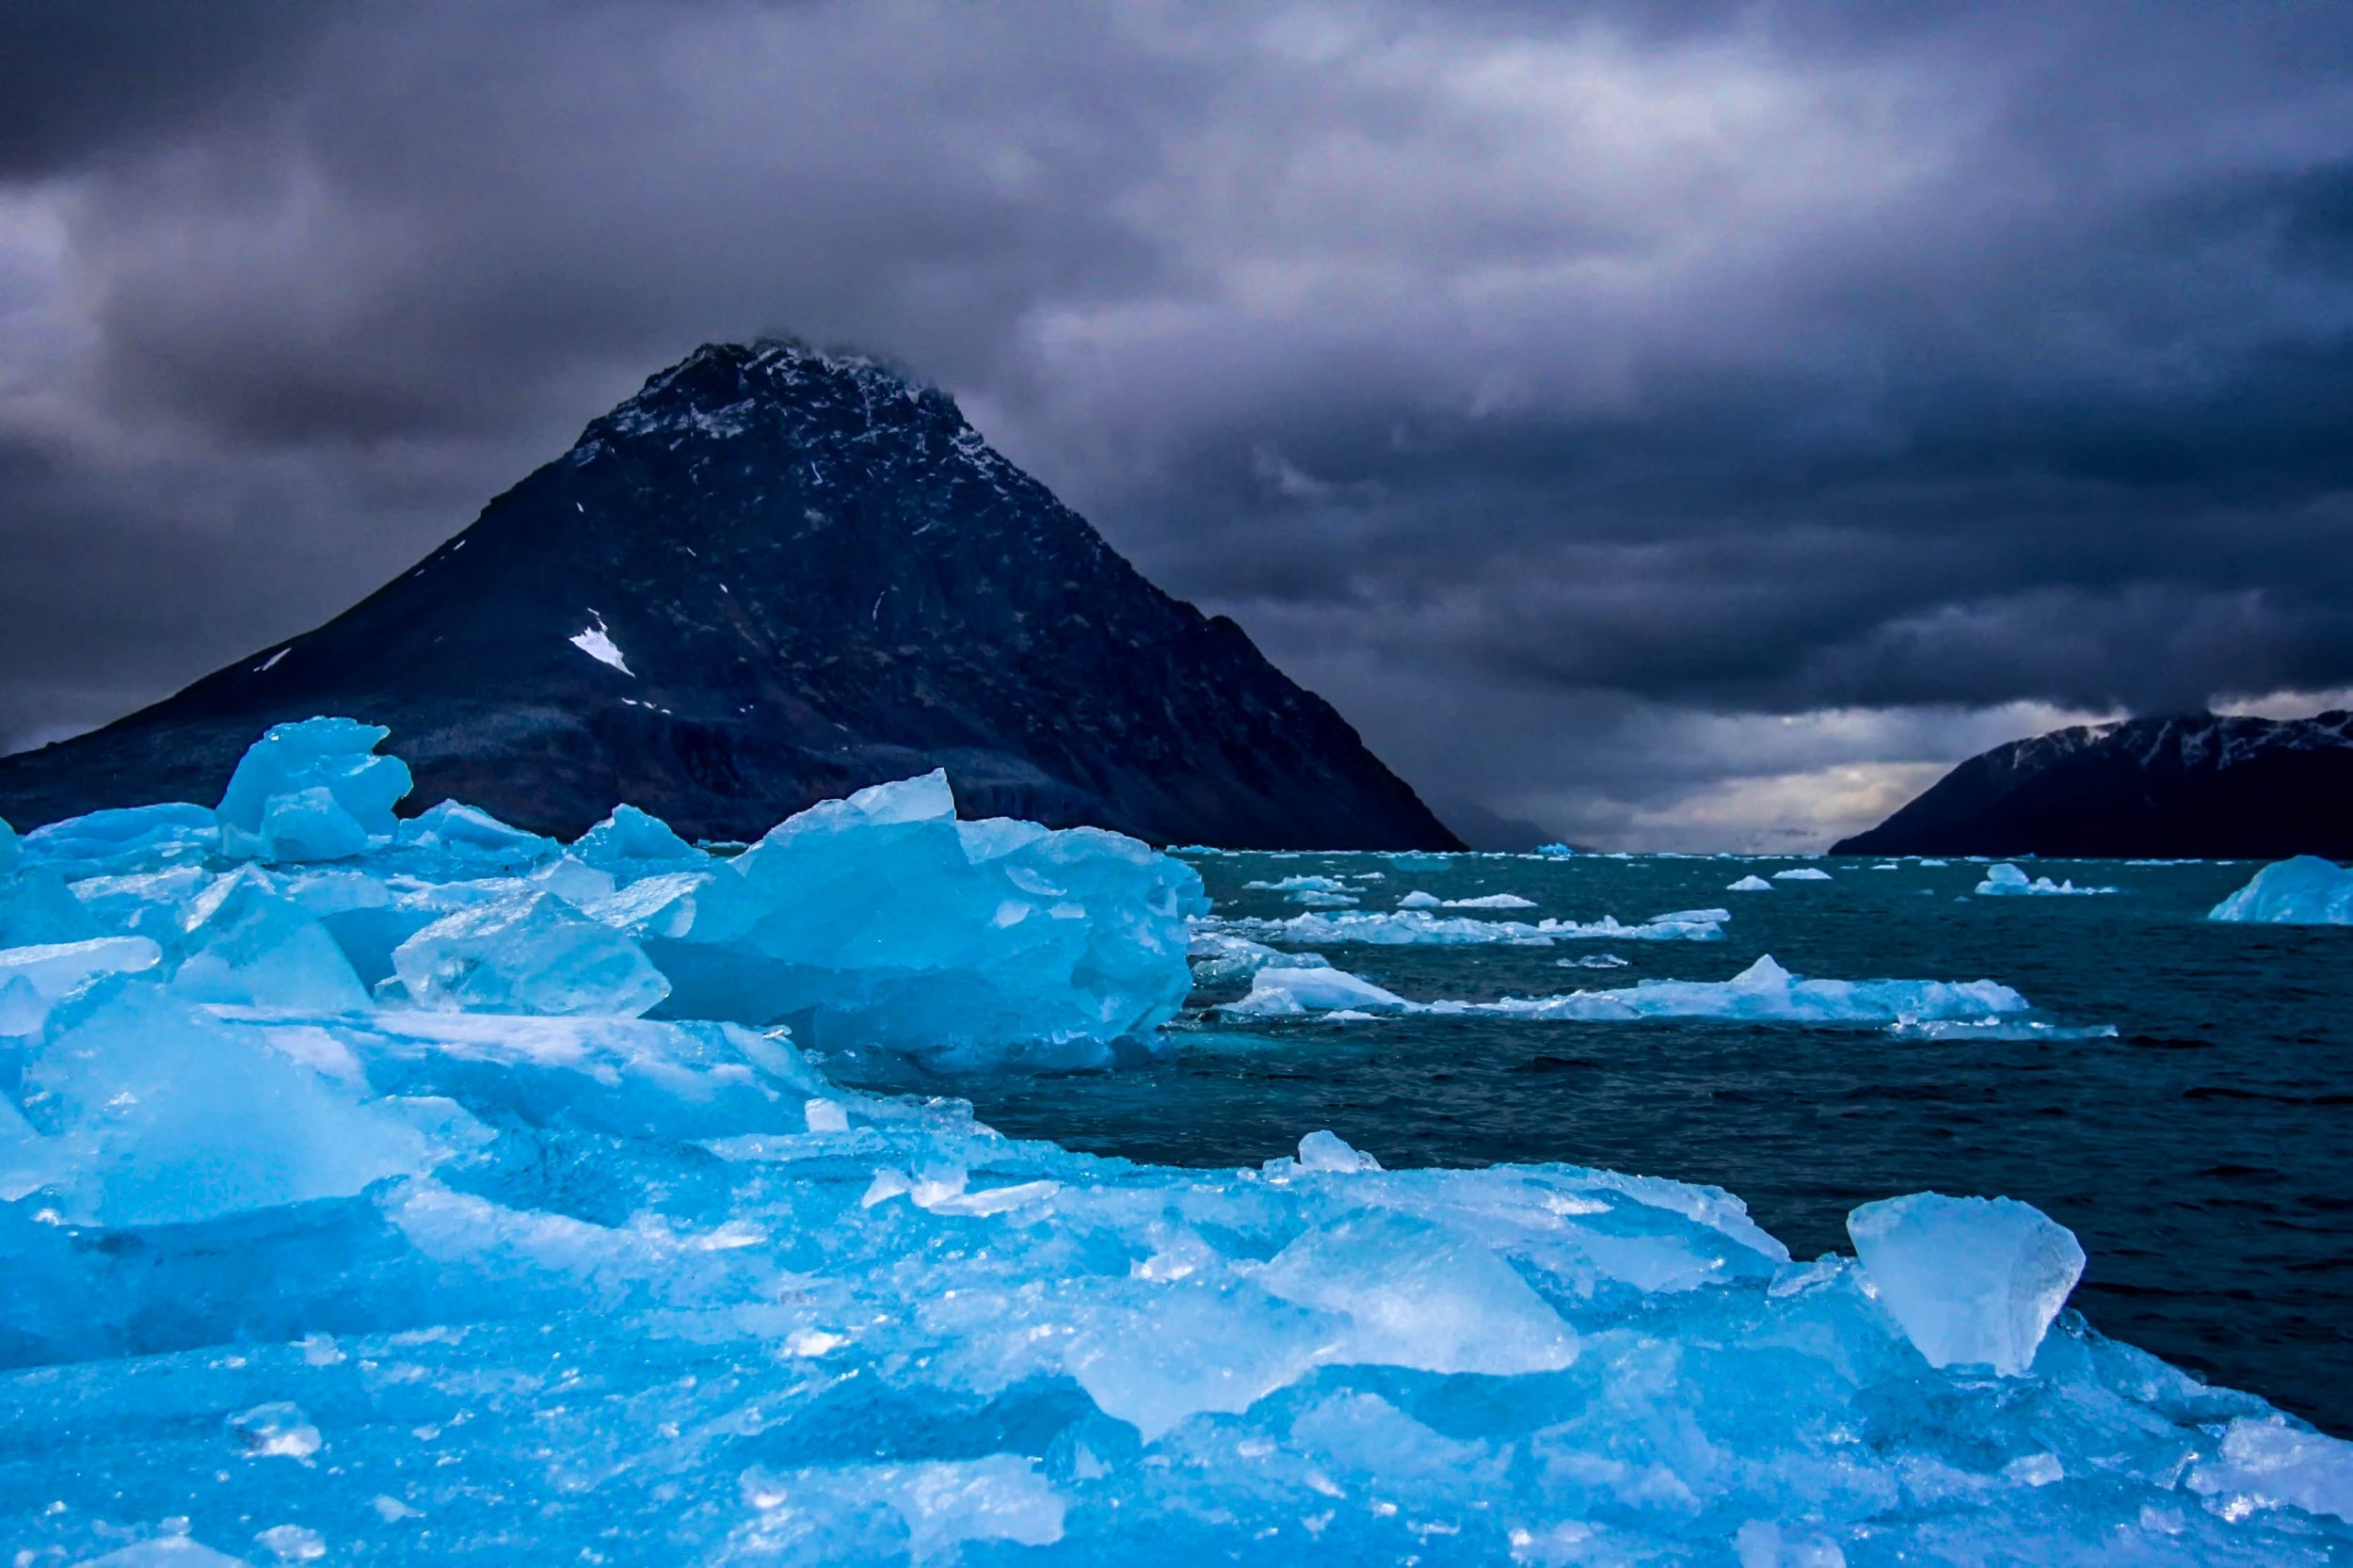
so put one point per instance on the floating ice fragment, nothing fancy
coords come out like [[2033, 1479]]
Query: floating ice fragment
[[1418, 900], [1763, 992], [1289, 991], [1750, 883], [1972, 1281], [2306, 890], [532, 953], [293, 1542], [1301, 884], [1403, 927], [1217, 959], [1801, 874], [275, 1431], [1313, 899], [1492, 901], [2006, 879]]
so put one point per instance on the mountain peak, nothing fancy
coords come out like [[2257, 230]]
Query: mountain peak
[[2183, 785], [775, 574]]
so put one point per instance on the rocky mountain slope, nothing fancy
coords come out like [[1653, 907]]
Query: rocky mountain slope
[[2198, 785], [777, 575]]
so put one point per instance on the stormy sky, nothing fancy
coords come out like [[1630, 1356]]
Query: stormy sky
[[1679, 426]]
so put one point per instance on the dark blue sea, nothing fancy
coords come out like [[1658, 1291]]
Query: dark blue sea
[[2203, 1154]]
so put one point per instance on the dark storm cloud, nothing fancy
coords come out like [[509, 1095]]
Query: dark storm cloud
[[1569, 393]]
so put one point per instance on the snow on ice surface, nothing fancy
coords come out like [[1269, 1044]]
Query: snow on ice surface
[[2008, 880], [2306, 890], [288, 1282]]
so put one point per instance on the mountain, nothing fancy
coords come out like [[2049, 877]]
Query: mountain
[[773, 576], [2186, 787]]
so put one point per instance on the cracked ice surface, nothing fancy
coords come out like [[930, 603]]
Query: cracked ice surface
[[299, 1270]]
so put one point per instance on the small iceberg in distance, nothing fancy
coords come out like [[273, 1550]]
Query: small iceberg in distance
[[1763, 992], [2306, 890], [1405, 927], [1801, 874], [1750, 883], [2007, 880]]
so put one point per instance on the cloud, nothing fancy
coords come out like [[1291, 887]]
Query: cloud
[[1598, 379]]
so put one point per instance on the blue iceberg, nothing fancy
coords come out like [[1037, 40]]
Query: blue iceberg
[[2306, 890], [456, 1247]]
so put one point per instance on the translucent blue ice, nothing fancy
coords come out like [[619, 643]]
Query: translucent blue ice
[[312, 791], [1973, 1281], [294, 1274], [2306, 890]]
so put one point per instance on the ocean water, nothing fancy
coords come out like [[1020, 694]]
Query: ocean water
[[2203, 1153]]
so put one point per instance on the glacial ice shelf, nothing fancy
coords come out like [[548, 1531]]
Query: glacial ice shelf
[[320, 1258]]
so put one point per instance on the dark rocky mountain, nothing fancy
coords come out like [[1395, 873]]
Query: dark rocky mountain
[[2186, 786], [773, 576]]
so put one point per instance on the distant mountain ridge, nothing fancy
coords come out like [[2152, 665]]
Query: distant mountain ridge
[[772, 576], [2190, 786]]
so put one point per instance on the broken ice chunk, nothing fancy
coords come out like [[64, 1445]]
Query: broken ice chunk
[[630, 836], [535, 953], [1972, 1281], [310, 824], [250, 947], [1280, 992], [54, 969], [1801, 874], [335, 755], [2007, 879], [1217, 959], [1750, 883], [1420, 1296], [1418, 900], [2264, 1463], [35, 905], [1329, 1151]]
